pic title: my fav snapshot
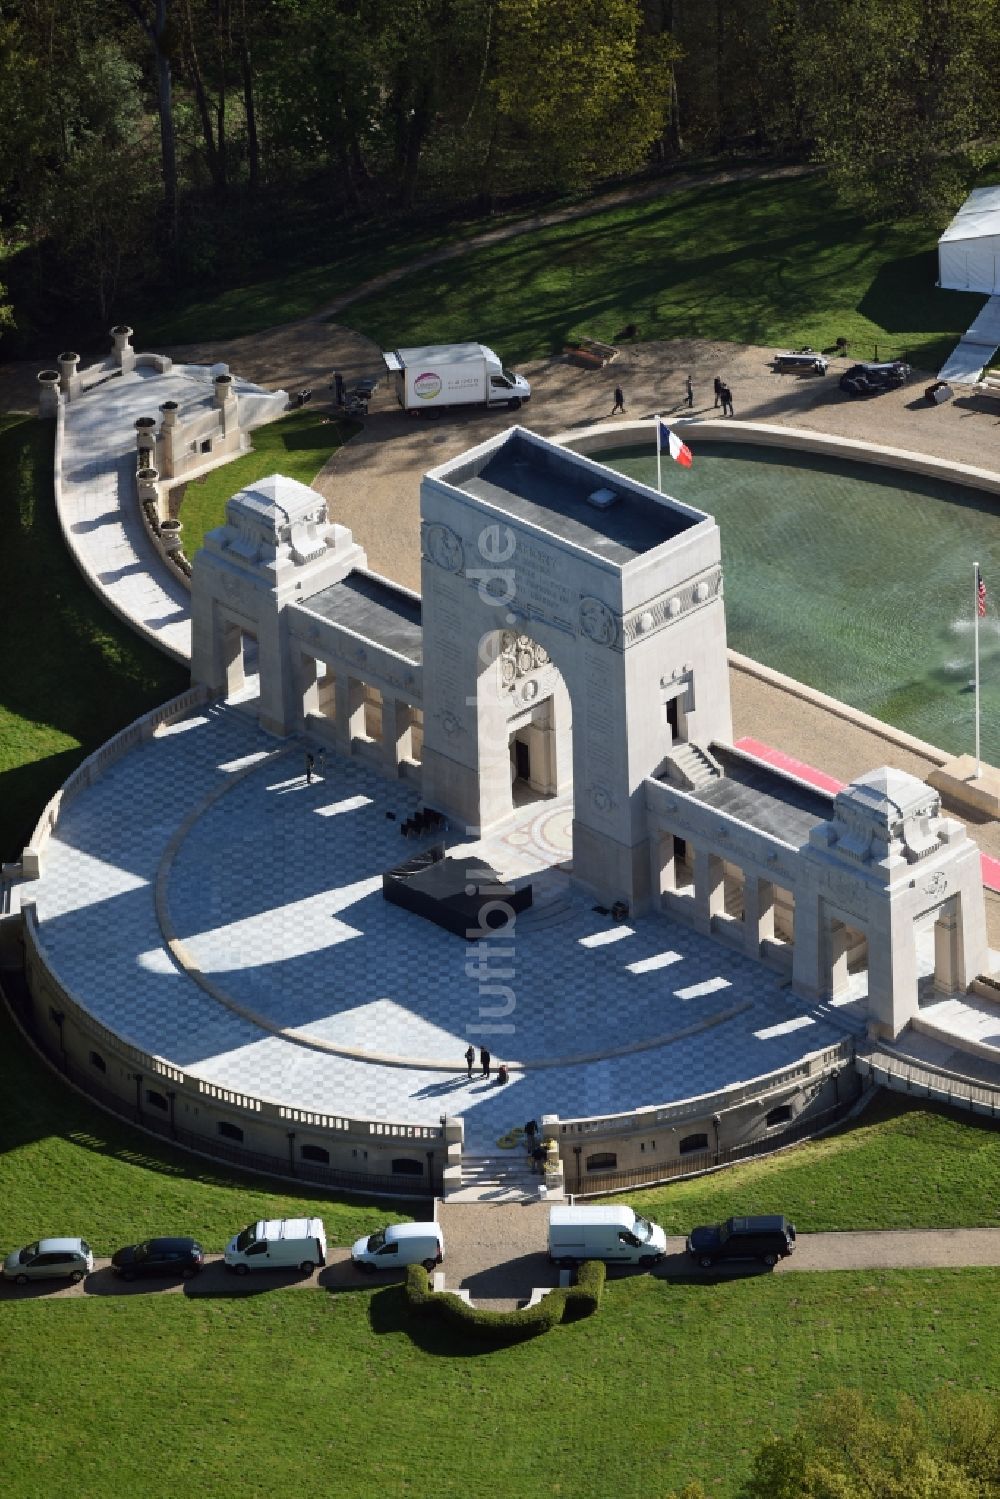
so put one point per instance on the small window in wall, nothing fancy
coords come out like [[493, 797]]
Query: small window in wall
[[607, 1161], [206, 446], [315, 1153], [404, 1166], [229, 1131], [692, 1143], [780, 1115], [156, 1099], [96, 1060]]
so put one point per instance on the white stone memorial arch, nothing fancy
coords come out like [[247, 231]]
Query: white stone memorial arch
[[617, 594]]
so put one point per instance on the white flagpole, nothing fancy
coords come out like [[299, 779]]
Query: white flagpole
[[975, 586], [659, 476]]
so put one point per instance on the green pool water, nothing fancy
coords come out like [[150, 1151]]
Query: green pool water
[[854, 579]]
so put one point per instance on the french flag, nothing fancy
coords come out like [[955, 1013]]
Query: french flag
[[669, 442]]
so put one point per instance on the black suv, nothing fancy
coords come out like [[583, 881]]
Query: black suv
[[182, 1257], [869, 379], [767, 1239]]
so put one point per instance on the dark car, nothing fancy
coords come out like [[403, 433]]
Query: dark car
[[869, 379], [767, 1239], [183, 1257]]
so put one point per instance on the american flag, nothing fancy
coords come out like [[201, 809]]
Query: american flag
[[980, 594]]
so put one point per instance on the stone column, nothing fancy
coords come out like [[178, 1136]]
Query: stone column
[[69, 378], [165, 445], [307, 683], [758, 912], [395, 727], [350, 720], [122, 351], [225, 399], [709, 888], [948, 950], [48, 393]]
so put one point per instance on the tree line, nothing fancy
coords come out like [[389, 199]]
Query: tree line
[[145, 143]]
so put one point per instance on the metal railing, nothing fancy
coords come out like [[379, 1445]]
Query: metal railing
[[903, 1074]]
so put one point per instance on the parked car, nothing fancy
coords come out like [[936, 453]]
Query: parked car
[[769, 1239], [49, 1259], [400, 1244], [802, 359], [183, 1257], [869, 379]]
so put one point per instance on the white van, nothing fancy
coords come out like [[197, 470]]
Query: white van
[[400, 1244], [615, 1234], [278, 1244]]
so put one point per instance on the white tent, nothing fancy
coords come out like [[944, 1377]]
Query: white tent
[[969, 249]]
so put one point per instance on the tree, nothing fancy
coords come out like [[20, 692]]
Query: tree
[[844, 1450], [156, 20], [581, 88]]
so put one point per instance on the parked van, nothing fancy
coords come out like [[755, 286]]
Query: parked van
[[615, 1234], [438, 376], [400, 1244], [278, 1244]]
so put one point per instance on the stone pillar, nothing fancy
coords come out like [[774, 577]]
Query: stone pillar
[[147, 485], [307, 682], [69, 377], [122, 351], [837, 941], [48, 393], [709, 889], [350, 720], [394, 727], [948, 976], [167, 438], [225, 399], [758, 912], [145, 441]]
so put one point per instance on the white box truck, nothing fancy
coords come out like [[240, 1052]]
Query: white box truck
[[278, 1244], [615, 1234], [437, 376]]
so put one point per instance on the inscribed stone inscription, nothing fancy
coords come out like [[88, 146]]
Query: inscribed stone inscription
[[537, 585]]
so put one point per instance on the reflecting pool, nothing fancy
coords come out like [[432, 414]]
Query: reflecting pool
[[855, 579]]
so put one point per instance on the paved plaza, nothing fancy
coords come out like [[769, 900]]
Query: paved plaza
[[272, 888]]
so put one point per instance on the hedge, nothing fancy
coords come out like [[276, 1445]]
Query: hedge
[[565, 1304]]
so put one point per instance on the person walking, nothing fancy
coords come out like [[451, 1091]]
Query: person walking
[[619, 400], [727, 401], [717, 387], [503, 1076], [485, 1061], [689, 392], [470, 1058], [310, 762]]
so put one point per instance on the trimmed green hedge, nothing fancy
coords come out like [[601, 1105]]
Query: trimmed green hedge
[[565, 1304]]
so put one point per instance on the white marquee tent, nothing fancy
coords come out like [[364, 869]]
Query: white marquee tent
[[969, 249]]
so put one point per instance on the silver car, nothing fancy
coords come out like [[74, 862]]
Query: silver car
[[49, 1259]]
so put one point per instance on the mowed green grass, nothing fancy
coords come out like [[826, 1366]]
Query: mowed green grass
[[311, 1392], [765, 263], [297, 446], [67, 1167], [71, 675], [900, 1165]]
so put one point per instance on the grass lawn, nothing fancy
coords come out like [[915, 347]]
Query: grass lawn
[[298, 446], [898, 1166], [748, 262], [69, 1168], [309, 1392], [71, 675]]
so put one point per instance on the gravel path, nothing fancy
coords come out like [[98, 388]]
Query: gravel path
[[498, 1255]]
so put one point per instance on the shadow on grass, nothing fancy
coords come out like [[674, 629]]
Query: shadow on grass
[[390, 1312]]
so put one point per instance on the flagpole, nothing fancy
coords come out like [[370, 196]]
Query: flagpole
[[659, 477], [975, 588]]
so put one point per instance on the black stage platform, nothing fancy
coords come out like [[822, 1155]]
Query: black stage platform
[[463, 895]]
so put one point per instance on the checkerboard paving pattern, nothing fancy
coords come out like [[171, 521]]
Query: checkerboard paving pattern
[[276, 893]]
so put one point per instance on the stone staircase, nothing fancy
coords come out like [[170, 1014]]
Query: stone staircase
[[501, 1177], [691, 767]]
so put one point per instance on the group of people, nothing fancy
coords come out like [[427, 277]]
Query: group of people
[[485, 1064], [723, 397]]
